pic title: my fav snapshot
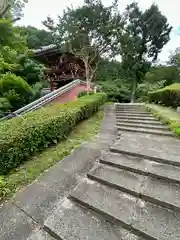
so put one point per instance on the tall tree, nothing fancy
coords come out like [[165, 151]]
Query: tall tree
[[14, 9], [142, 39], [12, 46], [174, 61], [89, 32], [37, 38]]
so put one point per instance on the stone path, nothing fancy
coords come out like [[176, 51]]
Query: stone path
[[124, 185]]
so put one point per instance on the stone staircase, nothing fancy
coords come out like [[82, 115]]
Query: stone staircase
[[133, 190]]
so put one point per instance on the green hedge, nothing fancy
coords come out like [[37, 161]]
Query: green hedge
[[167, 116], [22, 136], [168, 96]]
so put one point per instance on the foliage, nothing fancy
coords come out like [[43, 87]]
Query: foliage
[[167, 116], [15, 89], [158, 73], [5, 106], [36, 91], [31, 169], [169, 95], [117, 90], [89, 32], [144, 88], [12, 46], [15, 9], [3, 188], [110, 77], [109, 71], [14, 99], [30, 70], [21, 137], [174, 61], [37, 38], [143, 37]]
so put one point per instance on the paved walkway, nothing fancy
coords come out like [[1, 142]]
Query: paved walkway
[[124, 185]]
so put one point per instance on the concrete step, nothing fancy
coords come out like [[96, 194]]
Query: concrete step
[[140, 125], [145, 130], [157, 148], [137, 118], [142, 166], [70, 221], [133, 114], [130, 109], [140, 110], [155, 122], [127, 108], [143, 218], [147, 188]]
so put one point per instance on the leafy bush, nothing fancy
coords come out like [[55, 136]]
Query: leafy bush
[[117, 91], [144, 88], [36, 91], [3, 188], [168, 96], [30, 70], [15, 89], [20, 137], [5, 106], [85, 93], [13, 98]]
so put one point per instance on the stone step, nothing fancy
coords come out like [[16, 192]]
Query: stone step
[[157, 148], [147, 188], [145, 130], [142, 166], [127, 108], [143, 218], [140, 110], [133, 114], [70, 221], [137, 118], [140, 121], [130, 109], [140, 125]]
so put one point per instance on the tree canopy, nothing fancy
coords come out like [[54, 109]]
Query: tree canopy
[[90, 32], [142, 39], [36, 38]]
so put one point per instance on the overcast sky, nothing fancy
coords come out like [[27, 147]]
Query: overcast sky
[[37, 10]]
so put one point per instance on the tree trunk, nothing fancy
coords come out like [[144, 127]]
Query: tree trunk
[[133, 94], [87, 72]]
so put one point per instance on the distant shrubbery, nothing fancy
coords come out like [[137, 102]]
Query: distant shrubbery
[[168, 96], [15, 92], [117, 90], [21, 137]]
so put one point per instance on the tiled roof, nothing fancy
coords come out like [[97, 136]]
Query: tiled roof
[[45, 48]]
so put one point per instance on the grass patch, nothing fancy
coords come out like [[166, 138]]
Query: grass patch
[[167, 115], [31, 169]]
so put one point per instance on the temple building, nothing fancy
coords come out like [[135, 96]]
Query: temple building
[[61, 67]]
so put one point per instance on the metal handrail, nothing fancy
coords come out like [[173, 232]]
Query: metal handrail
[[44, 100]]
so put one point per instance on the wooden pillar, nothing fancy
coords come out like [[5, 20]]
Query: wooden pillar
[[52, 83]]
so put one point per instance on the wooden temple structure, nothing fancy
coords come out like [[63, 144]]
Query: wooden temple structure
[[61, 67]]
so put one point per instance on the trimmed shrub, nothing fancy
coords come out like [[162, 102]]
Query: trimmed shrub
[[167, 116], [15, 87], [85, 93], [168, 96], [20, 137]]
